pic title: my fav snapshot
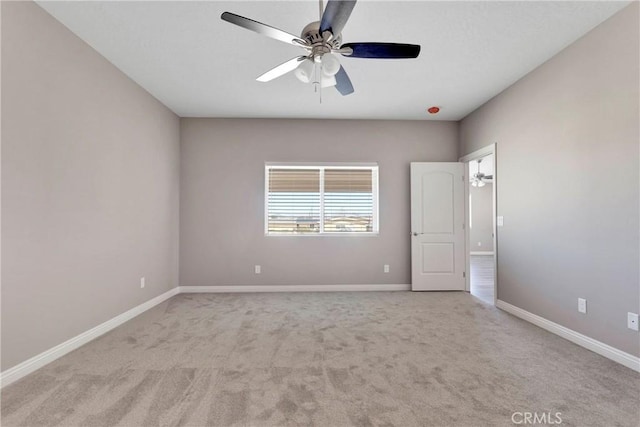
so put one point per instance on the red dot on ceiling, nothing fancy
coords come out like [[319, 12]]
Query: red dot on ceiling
[[433, 110]]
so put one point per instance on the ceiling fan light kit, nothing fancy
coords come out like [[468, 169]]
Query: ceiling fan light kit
[[322, 40]]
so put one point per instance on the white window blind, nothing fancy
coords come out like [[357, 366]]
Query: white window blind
[[293, 201], [323, 199], [348, 200]]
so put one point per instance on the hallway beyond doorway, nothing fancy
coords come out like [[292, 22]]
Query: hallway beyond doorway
[[482, 277]]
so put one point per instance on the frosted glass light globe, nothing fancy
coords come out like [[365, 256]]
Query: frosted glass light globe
[[330, 64], [327, 81], [304, 71]]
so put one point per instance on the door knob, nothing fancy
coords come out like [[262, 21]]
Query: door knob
[[414, 233]]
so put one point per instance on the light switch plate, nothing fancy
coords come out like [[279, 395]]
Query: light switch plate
[[500, 221], [632, 321], [258, 269], [582, 305]]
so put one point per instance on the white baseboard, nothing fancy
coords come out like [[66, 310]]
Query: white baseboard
[[15, 373], [292, 288], [626, 359], [481, 253]]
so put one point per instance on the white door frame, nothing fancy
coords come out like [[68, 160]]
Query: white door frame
[[485, 151]]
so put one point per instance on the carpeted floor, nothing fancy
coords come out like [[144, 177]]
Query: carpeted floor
[[325, 359]]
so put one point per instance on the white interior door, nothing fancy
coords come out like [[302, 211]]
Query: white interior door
[[437, 227]]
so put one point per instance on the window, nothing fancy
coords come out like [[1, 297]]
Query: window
[[315, 199]]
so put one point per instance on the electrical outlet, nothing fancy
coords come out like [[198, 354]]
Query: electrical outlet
[[582, 305], [632, 321], [142, 282], [257, 269], [479, 243], [386, 268]]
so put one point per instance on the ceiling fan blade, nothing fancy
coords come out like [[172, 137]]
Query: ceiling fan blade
[[382, 50], [264, 29], [343, 83], [335, 16], [281, 69], [487, 177]]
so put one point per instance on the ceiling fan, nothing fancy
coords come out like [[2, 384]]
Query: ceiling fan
[[479, 179], [322, 40]]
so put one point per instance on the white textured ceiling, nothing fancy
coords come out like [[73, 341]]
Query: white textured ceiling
[[201, 66]]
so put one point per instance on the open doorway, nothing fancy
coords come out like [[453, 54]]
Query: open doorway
[[480, 210]]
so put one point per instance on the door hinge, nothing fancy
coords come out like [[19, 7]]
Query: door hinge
[[464, 274], [463, 225]]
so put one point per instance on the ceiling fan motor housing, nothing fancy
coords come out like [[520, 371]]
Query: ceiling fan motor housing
[[319, 46]]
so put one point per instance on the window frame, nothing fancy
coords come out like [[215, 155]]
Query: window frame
[[321, 166]]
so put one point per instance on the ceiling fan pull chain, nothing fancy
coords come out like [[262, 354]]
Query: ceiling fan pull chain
[[315, 77], [320, 80]]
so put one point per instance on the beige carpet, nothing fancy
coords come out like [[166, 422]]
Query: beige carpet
[[325, 359]]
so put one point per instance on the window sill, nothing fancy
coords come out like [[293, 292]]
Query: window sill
[[342, 234]]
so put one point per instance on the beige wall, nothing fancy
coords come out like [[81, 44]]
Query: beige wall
[[481, 229], [567, 154], [89, 187], [222, 199]]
